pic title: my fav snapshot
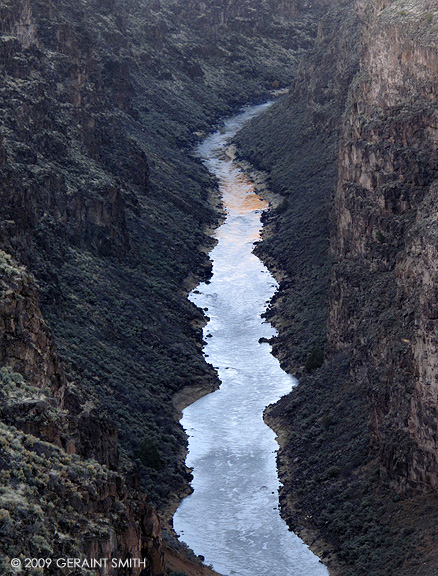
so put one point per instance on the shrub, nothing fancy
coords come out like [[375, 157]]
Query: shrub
[[380, 237], [315, 359], [149, 455]]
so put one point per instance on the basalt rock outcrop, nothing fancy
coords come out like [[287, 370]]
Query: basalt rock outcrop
[[56, 455], [381, 302], [26, 344]]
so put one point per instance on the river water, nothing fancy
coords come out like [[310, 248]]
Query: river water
[[232, 517]]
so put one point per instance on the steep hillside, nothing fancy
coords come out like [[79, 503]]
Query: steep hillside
[[358, 456], [59, 495], [295, 144]]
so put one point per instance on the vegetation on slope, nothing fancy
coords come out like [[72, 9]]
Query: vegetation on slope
[[295, 143]]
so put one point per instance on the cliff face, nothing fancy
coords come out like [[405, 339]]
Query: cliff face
[[256, 18], [381, 308], [48, 73], [26, 343]]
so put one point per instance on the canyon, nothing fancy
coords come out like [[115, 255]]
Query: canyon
[[104, 218], [360, 431]]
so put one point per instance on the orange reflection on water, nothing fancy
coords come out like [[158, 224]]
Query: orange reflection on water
[[239, 195], [239, 198]]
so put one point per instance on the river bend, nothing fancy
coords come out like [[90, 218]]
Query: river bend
[[232, 517]]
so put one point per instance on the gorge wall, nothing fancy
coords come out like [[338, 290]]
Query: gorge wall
[[359, 437], [60, 494], [381, 307]]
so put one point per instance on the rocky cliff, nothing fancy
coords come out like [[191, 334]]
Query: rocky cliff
[[56, 454], [381, 301]]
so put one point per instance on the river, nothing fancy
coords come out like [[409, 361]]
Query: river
[[232, 517]]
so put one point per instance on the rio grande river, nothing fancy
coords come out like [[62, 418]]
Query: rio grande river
[[232, 517]]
